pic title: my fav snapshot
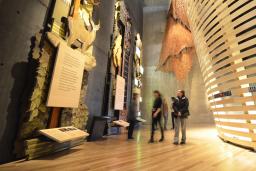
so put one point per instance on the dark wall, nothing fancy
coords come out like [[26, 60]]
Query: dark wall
[[19, 21], [105, 13], [135, 7]]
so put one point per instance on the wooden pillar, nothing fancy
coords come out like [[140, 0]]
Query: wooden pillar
[[55, 116]]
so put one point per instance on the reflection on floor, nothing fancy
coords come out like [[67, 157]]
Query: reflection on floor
[[204, 151]]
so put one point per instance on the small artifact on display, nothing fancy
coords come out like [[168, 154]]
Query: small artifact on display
[[64, 134], [138, 69], [121, 123], [138, 72]]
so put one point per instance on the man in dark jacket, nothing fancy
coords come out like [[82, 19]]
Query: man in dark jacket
[[132, 115], [181, 113]]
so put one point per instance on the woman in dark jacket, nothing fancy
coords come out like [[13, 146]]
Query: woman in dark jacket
[[156, 116], [181, 113]]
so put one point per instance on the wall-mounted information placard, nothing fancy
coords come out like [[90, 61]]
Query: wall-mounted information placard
[[252, 88], [120, 89], [63, 134], [223, 94], [67, 77]]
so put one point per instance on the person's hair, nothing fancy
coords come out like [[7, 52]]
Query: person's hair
[[182, 91], [157, 92]]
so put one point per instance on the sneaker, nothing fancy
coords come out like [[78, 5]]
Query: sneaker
[[130, 138], [176, 143], [183, 142], [161, 140]]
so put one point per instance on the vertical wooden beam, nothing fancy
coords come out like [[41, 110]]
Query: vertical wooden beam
[[55, 116]]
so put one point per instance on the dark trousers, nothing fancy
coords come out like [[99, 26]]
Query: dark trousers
[[154, 122], [173, 120], [155, 126], [131, 128]]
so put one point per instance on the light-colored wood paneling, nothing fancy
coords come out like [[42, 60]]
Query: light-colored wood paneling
[[237, 125], [239, 133], [224, 36], [234, 100], [230, 116], [204, 151]]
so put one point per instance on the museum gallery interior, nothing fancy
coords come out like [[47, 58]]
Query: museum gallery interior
[[91, 84]]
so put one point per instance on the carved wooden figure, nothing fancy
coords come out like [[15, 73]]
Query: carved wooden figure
[[37, 116]]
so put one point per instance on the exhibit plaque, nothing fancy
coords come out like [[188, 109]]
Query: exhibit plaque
[[120, 89], [122, 123], [67, 77], [63, 134]]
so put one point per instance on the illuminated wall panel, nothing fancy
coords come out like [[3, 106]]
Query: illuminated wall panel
[[224, 33]]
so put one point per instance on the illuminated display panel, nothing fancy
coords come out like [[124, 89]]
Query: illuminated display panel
[[224, 34]]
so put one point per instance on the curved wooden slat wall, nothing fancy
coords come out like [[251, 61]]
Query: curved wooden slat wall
[[224, 33]]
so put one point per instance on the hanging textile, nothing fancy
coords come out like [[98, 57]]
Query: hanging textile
[[177, 47]]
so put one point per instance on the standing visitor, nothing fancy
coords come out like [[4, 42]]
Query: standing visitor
[[165, 113], [173, 99], [181, 113], [132, 116], [156, 116]]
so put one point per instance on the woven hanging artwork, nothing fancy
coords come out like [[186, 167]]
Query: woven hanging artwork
[[177, 47], [179, 11]]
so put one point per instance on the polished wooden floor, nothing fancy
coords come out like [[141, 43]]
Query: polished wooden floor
[[203, 152]]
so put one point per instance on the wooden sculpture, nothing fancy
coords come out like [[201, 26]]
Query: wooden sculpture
[[82, 18], [117, 51], [81, 29], [117, 44], [35, 114]]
